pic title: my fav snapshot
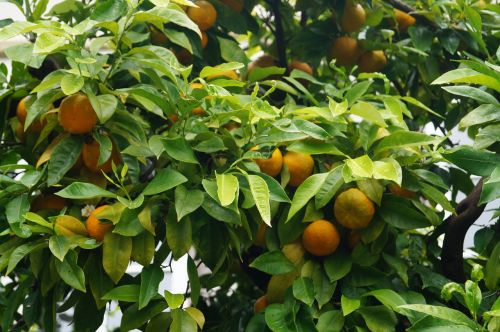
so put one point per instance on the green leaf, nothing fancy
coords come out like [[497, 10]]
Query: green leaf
[[437, 196], [151, 276], [143, 248], [330, 321], [59, 245], [197, 315], [478, 162], [337, 265], [273, 263], [421, 37], [108, 10], [179, 149], [473, 297], [388, 297], [349, 305], [307, 190], [70, 272], [63, 157], [303, 290], [368, 112], [483, 114], [330, 186], [182, 322], [71, 84], [445, 313], [212, 71], [24, 53], [378, 318], [174, 300], [403, 138], [323, 288], [467, 75], [372, 188], [134, 318], [194, 281], [104, 106], [471, 92], [398, 265], [491, 188], [82, 190], [164, 180], [15, 211], [125, 293], [399, 213], [116, 255], [47, 43], [260, 194], [22, 251], [312, 147], [179, 234], [227, 188], [361, 167], [388, 169], [187, 201], [357, 91], [492, 269]]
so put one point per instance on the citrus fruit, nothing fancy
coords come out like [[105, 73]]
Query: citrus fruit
[[20, 132], [294, 252], [204, 39], [76, 114], [225, 74], [271, 166], [299, 65], [278, 284], [91, 155], [21, 111], [345, 50], [197, 110], [204, 15], [184, 57], [260, 304], [403, 20], [95, 227], [260, 236], [235, 5], [158, 37], [399, 191], [372, 61], [300, 166], [353, 17], [353, 209], [48, 202], [321, 238]]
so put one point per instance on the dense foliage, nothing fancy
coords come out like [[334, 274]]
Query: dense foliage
[[322, 179]]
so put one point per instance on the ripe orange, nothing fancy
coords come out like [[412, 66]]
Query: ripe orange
[[204, 39], [300, 166], [48, 202], [321, 238], [232, 125], [404, 20], [21, 111], [95, 227], [260, 304], [353, 209], [91, 154], [399, 191], [345, 50], [372, 61], [76, 114], [225, 74], [20, 132], [353, 17], [299, 65], [184, 57], [353, 239], [271, 166], [260, 237], [236, 5], [204, 15]]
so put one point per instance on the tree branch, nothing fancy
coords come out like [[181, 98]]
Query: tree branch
[[279, 32], [456, 226]]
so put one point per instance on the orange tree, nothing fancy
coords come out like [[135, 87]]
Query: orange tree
[[315, 188]]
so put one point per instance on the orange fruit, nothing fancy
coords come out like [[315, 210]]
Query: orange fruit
[[197, 110], [271, 166], [95, 227], [157, 37], [204, 16], [20, 132], [76, 114], [232, 125], [225, 74], [353, 17], [399, 191], [260, 304], [21, 111], [91, 154], [404, 20], [299, 65], [235, 5], [300, 166], [204, 39], [345, 50], [184, 57], [48, 202], [353, 239], [372, 61], [353, 209], [321, 238]]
